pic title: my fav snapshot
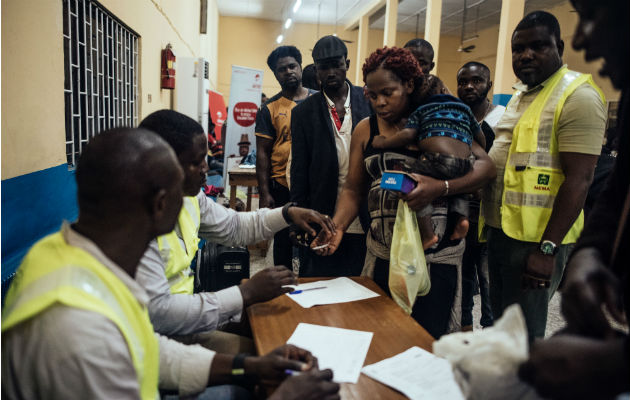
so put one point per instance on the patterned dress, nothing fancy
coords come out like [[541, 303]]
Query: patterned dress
[[446, 255]]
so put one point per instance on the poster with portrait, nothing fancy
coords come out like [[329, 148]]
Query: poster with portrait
[[245, 92]]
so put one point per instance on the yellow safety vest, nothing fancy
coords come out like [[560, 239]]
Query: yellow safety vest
[[533, 174], [175, 257], [54, 272]]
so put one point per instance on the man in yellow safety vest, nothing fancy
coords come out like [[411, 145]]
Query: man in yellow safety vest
[[75, 323], [164, 270], [545, 151]]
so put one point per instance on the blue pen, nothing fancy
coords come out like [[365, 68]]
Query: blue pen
[[291, 372], [306, 290]]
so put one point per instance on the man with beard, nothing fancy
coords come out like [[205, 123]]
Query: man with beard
[[593, 361], [473, 85], [322, 128], [545, 150], [273, 139]]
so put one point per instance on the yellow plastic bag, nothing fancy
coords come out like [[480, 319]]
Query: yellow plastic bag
[[408, 275]]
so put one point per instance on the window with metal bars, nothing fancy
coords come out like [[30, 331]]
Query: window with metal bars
[[101, 73]]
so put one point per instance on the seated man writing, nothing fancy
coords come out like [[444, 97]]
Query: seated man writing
[[164, 270], [75, 322]]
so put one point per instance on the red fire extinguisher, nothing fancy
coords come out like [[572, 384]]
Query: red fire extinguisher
[[168, 68]]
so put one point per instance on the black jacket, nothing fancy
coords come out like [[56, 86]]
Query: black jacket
[[314, 163]]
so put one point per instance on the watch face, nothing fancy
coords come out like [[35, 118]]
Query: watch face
[[547, 248]]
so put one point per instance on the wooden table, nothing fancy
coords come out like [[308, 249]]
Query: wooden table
[[242, 177], [273, 323]]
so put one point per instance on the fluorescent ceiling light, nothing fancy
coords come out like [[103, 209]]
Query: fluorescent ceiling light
[[297, 5], [287, 23], [279, 39]]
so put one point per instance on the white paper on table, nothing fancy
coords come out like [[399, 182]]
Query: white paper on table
[[339, 290], [342, 350], [417, 374]]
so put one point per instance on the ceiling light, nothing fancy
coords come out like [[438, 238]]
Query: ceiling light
[[297, 5], [287, 23], [279, 39]]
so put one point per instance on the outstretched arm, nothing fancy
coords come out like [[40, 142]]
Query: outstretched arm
[[354, 190]]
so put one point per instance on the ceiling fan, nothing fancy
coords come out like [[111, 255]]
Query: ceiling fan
[[462, 48], [466, 49]]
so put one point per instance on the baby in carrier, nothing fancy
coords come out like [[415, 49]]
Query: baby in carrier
[[443, 128]]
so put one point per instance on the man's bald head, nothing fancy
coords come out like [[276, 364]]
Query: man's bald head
[[123, 169]]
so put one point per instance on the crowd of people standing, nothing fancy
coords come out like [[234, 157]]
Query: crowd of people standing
[[105, 307]]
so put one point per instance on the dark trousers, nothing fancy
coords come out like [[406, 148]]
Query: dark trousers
[[475, 272], [282, 246], [346, 261], [432, 311], [506, 263]]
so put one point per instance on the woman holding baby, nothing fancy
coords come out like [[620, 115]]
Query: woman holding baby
[[395, 88]]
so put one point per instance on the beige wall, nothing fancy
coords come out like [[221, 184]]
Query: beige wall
[[33, 125], [248, 42], [486, 50], [159, 23], [32, 86]]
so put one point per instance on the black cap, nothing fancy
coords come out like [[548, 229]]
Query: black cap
[[329, 47]]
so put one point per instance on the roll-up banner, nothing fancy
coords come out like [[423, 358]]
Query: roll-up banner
[[245, 92]]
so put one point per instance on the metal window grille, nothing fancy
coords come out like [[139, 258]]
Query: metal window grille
[[101, 73]]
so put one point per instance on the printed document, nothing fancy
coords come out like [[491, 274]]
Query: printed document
[[417, 374], [342, 350], [339, 290]]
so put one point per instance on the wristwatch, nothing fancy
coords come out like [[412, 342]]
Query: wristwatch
[[548, 248], [238, 369], [285, 211]]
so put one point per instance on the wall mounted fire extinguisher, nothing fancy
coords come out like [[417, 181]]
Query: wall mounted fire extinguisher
[[168, 68]]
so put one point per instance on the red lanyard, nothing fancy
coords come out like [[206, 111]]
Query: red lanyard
[[335, 116]]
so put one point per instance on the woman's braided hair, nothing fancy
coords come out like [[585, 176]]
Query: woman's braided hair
[[405, 67], [395, 59]]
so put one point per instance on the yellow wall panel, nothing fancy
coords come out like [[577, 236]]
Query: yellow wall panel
[[33, 130], [33, 113]]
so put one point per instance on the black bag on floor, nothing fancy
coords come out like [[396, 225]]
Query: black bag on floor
[[219, 267]]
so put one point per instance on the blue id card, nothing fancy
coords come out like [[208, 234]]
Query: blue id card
[[397, 182]]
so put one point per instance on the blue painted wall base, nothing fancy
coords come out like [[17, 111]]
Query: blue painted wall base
[[501, 99], [33, 206]]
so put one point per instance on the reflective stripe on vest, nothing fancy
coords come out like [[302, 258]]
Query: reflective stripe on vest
[[533, 174], [177, 258], [54, 272]]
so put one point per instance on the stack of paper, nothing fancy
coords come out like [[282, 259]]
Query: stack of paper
[[417, 374], [339, 290], [342, 350]]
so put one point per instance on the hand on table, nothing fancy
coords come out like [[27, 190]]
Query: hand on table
[[588, 285], [312, 385], [266, 285], [271, 367]]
